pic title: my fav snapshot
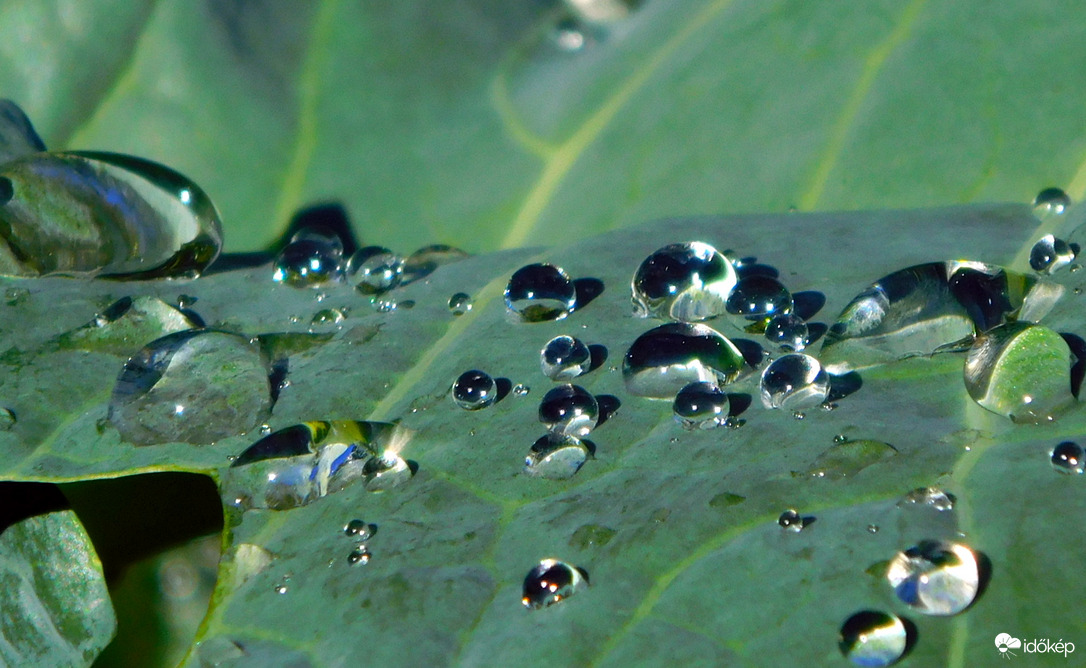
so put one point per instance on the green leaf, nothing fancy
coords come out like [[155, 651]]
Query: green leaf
[[464, 123], [694, 568]]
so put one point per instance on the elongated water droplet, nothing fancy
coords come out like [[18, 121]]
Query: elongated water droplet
[[196, 386], [873, 639], [474, 390], [1020, 371], [787, 332], [935, 577], [374, 270], [1050, 202], [308, 263], [460, 303], [521, 390], [794, 381], [665, 359], [700, 405], [569, 410], [759, 298], [556, 457], [930, 497], [89, 213], [359, 530], [565, 358], [1068, 457], [550, 582], [327, 317], [849, 458], [540, 292], [425, 260], [1050, 254], [687, 282]]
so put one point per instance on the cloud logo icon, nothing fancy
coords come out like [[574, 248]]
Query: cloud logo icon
[[1005, 643]]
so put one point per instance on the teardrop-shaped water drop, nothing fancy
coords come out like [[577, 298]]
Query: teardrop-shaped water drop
[[794, 381], [873, 639], [88, 213], [787, 332], [564, 358], [569, 410], [540, 292], [700, 405], [663, 360], [551, 581], [1068, 457], [935, 577], [687, 282], [308, 263], [474, 389], [196, 386], [374, 270], [556, 457]]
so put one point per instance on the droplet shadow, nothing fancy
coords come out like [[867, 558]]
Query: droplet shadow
[[608, 406], [738, 403], [807, 303], [843, 385], [587, 289], [598, 354], [752, 352], [505, 386], [1078, 369]]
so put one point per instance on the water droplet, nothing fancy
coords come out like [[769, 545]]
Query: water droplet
[[794, 381], [872, 528], [664, 359], [790, 520], [308, 263], [700, 405], [1050, 202], [7, 419], [687, 282], [569, 410], [88, 213], [521, 390], [474, 390], [565, 358], [873, 639], [1068, 457], [326, 317], [1050, 254], [550, 582], [359, 555], [375, 270], [591, 535], [385, 305], [935, 577], [540, 292], [1020, 371], [759, 298], [386, 471], [848, 458], [281, 588], [425, 260], [787, 332], [460, 303], [125, 324], [359, 530], [196, 386], [556, 457], [919, 310]]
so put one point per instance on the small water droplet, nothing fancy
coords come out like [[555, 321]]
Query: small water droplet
[[521, 390], [308, 263], [359, 530], [787, 332], [873, 639], [326, 317], [935, 577], [687, 282], [540, 292], [565, 358], [568, 35], [385, 305], [7, 419], [386, 471], [556, 457], [790, 520], [846, 458], [281, 588], [550, 582], [931, 497], [664, 359], [591, 535], [374, 270], [460, 303], [1068, 457], [872, 528], [359, 555], [474, 389], [1050, 254], [569, 410], [700, 405], [759, 298], [794, 381], [186, 301], [1050, 202]]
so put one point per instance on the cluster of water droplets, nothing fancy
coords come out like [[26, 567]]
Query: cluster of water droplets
[[360, 532]]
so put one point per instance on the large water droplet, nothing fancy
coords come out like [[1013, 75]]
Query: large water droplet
[[556, 457], [935, 577], [918, 310], [196, 386], [759, 298], [374, 270], [794, 381], [1050, 254], [687, 282], [565, 358], [569, 410], [474, 389], [460, 303], [1020, 371], [89, 213], [540, 292], [1050, 202], [700, 405], [873, 639], [665, 359], [1068, 457], [309, 263], [550, 582], [787, 332]]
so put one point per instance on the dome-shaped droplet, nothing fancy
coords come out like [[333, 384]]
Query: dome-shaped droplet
[[1068, 457], [308, 263], [540, 292], [359, 530], [556, 457], [928, 497], [1020, 371], [565, 358], [88, 213], [569, 410], [385, 471], [873, 639], [550, 582], [663, 360], [935, 577], [794, 381], [327, 317], [374, 270], [474, 389], [360, 556], [687, 282], [1050, 254], [1051, 202], [790, 520], [759, 298], [196, 386], [460, 303], [787, 332], [319, 234], [700, 405]]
